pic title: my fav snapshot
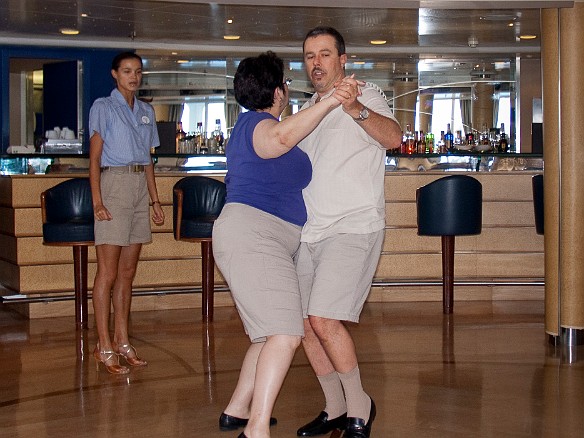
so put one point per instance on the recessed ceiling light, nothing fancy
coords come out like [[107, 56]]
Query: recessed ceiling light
[[84, 15], [68, 31], [231, 37], [378, 42], [230, 20], [527, 37]]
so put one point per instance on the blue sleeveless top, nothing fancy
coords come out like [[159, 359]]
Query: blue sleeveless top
[[272, 185]]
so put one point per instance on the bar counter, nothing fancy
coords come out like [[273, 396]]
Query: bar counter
[[504, 262]]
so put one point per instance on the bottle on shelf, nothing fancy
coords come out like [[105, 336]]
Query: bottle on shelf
[[458, 142], [402, 146], [199, 137], [503, 142], [421, 143], [441, 144], [410, 140], [180, 138], [430, 147], [448, 138], [217, 138]]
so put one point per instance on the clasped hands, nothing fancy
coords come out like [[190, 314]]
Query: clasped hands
[[346, 92]]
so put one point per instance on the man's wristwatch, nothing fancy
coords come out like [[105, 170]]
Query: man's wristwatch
[[363, 115]]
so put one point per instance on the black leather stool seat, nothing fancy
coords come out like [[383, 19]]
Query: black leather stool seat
[[67, 213], [199, 227], [537, 188], [198, 201], [449, 207]]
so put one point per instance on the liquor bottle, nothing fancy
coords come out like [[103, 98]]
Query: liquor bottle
[[421, 143], [441, 144], [503, 142], [448, 138], [180, 138], [458, 139], [217, 137], [430, 147], [402, 146], [410, 140]]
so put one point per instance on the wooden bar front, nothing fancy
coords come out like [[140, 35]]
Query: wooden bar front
[[491, 266]]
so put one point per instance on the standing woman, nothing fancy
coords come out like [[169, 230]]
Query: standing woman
[[258, 233], [121, 174]]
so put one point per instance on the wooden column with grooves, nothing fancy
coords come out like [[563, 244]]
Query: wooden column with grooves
[[550, 60], [572, 163]]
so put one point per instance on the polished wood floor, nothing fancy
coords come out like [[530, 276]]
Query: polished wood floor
[[487, 371]]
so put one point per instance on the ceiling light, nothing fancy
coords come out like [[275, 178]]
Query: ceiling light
[[527, 37], [68, 31], [359, 62], [230, 20], [378, 42], [182, 61], [84, 15], [231, 37]]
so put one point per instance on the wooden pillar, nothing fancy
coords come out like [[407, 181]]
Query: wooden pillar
[[563, 87], [482, 106], [405, 95]]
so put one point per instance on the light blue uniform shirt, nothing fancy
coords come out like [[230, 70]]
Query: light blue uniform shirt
[[127, 134]]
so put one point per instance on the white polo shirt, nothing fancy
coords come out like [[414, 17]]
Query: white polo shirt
[[346, 193]]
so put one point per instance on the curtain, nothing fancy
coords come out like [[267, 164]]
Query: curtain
[[495, 112], [175, 112], [466, 114], [233, 110]]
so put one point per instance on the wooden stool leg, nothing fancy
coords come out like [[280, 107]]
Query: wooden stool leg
[[447, 274], [80, 271], [208, 280]]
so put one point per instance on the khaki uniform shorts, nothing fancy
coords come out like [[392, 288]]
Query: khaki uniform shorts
[[335, 274], [255, 252], [125, 195]]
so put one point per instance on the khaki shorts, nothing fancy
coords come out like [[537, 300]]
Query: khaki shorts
[[335, 274], [255, 252], [125, 195]]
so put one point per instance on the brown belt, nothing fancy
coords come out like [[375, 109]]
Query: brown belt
[[130, 168]]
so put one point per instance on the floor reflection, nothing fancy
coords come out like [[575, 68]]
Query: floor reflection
[[486, 370]]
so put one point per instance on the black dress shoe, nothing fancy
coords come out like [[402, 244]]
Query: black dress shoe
[[229, 422], [321, 425], [356, 427]]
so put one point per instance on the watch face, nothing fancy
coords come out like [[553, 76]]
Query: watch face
[[364, 114]]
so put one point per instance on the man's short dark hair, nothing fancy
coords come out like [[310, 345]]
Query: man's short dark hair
[[325, 30], [256, 79]]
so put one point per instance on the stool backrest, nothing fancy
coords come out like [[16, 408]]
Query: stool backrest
[[450, 206], [197, 197], [69, 201], [537, 188], [67, 213]]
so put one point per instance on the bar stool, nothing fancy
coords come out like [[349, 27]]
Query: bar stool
[[67, 214], [449, 207], [537, 187], [197, 202]]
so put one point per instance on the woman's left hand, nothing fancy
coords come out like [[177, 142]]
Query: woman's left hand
[[158, 216]]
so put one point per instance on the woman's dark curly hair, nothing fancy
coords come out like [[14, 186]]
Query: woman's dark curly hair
[[256, 79]]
